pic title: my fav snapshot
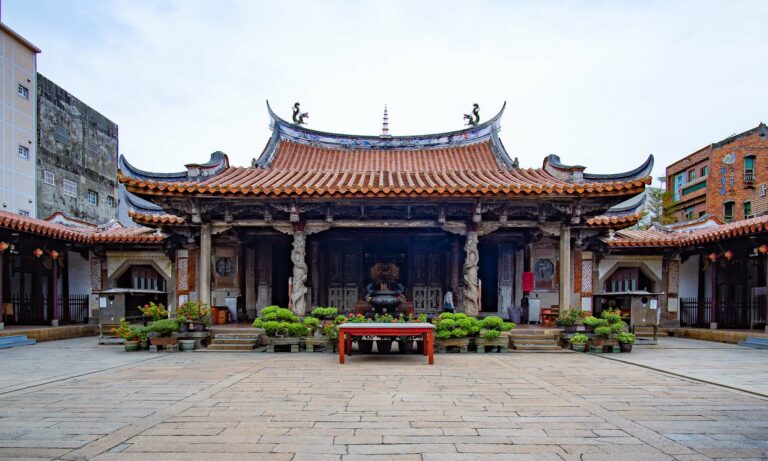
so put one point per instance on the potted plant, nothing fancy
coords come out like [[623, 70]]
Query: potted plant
[[384, 344], [626, 340], [129, 334], [282, 328], [153, 312], [161, 331], [569, 319], [590, 323], [315, 338], [324, 313], [197, 315], [364, 343], [579, 342], [453, 331], [491, 338]]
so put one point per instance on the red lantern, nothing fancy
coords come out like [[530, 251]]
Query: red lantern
[[728, 255], [37, 252], [762, 249], [3, 246], [54, 254], [713, 257]]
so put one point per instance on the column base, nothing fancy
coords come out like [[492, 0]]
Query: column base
[[54, 322], [713, 326]]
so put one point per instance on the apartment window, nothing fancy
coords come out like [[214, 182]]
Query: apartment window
[[689, 213], [23, 91], [691, 175], [747, 210], [70, 188], [23, 212], [749, 168], [60, 134], [24, 152], [93, 197], [110, 201], [702, 213], [704, 171], [49, 178], [728, 212]]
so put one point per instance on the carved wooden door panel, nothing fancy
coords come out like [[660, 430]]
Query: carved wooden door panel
[[427, 275], [506, 276], [343, 275]]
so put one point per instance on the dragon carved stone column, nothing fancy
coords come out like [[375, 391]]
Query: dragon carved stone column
[[471, 284], [299, 288]]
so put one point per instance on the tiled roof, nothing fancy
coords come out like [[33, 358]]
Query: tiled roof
[[82, 234], [681, 238], [153, 219], [302, 169], [621, 220]]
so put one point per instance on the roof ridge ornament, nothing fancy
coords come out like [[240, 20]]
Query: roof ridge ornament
[[385, 125], [473, 118], [298, 116]]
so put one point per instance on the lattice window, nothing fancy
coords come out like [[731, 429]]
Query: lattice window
[[586, 277], [182, 275], [96, 273], [673, 277]]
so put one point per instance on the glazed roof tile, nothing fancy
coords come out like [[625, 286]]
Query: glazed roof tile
[[113, 233], [661, 237]]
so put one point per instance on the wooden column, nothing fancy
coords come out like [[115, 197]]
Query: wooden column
[[205, 264], [565, 267], [454, 266], [314, 271], [250, 283]]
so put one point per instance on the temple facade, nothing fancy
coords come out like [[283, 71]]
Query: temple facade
[[323, 219]]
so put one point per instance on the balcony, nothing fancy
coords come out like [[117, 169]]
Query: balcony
[[749, 177]]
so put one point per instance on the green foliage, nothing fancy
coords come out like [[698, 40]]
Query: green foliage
[[611, 316], [491, 335], [506, 326], [324, 312], [569, 317], [595, 322], [340, 319], [456, 325], [195, 311], [271, 328], [604, 331], [330, 330], [492, 323], [443, 334], [296, 330], [258, 323], [312, 323], [127, 331], [284, 329], [617, 327], [626, 338], [165, 327], [383, 318], [579, 338]]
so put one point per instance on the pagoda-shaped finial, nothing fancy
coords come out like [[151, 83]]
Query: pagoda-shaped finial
[[385, 124]]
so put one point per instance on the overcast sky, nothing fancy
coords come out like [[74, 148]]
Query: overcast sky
[[601, 84]]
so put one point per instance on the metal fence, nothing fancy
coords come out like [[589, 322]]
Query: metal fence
[[731, 313], [73, 309]]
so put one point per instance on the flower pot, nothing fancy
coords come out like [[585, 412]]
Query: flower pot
[[420, 347], [365, 346], [589, 329], [625, 347], [162, 341], [131, 346], [185, 327], [187, 345], [144, 344], [384, 346], [569, 328], [579, 347], [405, 346]]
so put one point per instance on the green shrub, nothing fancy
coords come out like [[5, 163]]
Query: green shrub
[[626, 338], [340, 319], [312, 322], [569, 317], [296, 330], [492, 323], [269, 310], [579, 338], [595, 322], [446, 324], [166, 327], [271, 328], [330, 330], [506, 326], [611, 316], [443, 334], [604, 331], [491, 335], [324, 312], [258, 323], [617, 327]]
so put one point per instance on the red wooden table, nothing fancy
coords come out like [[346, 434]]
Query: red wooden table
[[348, 330]]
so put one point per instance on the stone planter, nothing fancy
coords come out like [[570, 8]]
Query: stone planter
[[501, 345], [200, 338], [625, 347], [292, 344], [131, 346], [579, 347], [186, 345], [322, 344], [163, 341], [460, 344], [570, 328]]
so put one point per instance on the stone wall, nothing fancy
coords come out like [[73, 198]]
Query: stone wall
[[78, 144]]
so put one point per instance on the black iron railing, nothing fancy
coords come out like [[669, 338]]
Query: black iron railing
[[73, 309], [731, 313]]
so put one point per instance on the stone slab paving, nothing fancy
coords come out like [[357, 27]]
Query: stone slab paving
[[185, 406]]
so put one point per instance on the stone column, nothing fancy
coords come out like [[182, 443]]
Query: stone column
[[205, 264], [299, 288], [471, 285], [565, 267]]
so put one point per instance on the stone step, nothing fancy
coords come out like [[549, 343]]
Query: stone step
[[531, 347], [542, 351], [555, 337], [234, 341], [534, 341], [247, 336], [231, 347]]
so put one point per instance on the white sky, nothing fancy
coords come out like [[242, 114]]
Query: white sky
[[601, 84]]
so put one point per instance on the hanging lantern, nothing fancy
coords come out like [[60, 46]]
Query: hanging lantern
[[713, 257], [762, 249], [728, 255], [54, 254], [37, 252], [3, 246]]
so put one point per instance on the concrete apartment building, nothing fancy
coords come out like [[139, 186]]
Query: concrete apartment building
[[18, 123], [77, 157], [727, 179]]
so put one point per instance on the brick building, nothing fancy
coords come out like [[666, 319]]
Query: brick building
[[77, 157], [727, 179]]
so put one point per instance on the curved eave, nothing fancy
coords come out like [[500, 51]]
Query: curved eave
[[148, 188], [128, 170], [155, 219], [552, 162]]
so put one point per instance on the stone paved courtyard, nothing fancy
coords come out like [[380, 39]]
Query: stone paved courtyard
[[75, 400]]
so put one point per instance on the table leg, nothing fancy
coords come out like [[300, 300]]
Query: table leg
[[424, 343], [349, 344], [341, 347], [431, 340]]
